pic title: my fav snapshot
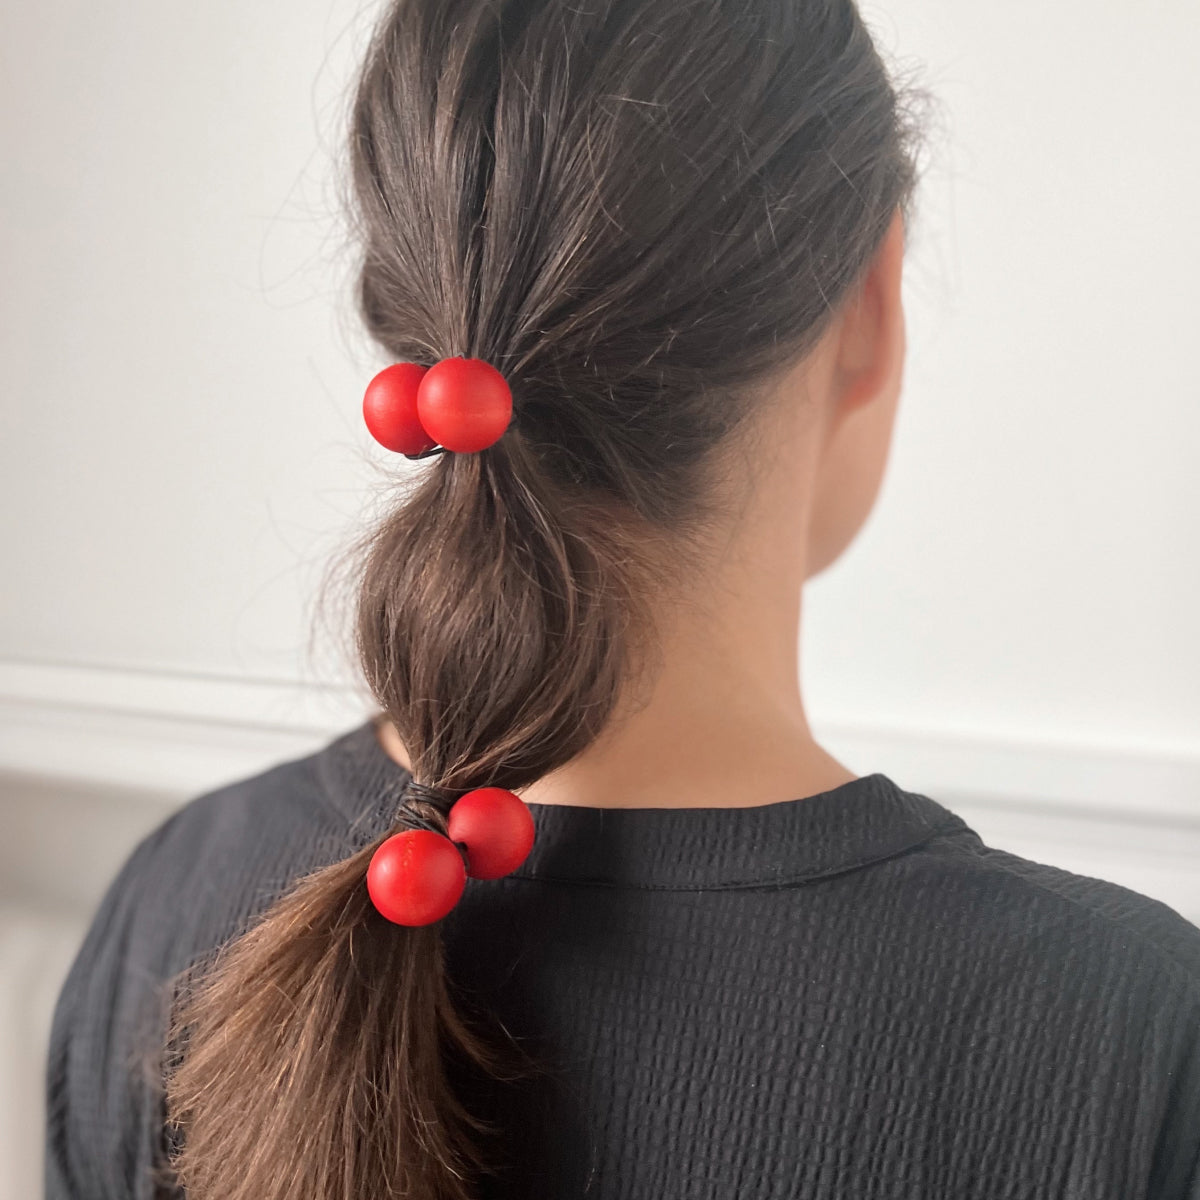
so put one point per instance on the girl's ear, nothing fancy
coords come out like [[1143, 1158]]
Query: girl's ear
[[871, 345]]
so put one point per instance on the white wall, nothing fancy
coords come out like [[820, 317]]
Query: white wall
[[181, 428], [1033, 570], [182, 443], [182, 450]]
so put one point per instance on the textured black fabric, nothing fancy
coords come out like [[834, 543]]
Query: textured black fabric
[[844, 996]]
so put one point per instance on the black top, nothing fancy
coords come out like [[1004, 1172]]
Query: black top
[[842, 997]]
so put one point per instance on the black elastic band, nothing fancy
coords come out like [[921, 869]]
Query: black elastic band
[[423, 806]]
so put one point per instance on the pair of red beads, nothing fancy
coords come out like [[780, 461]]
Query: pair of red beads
[[462, 404], [418, 875]]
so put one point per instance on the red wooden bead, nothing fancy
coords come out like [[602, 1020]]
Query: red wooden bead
[[416, 877], [464, 403], [496, 829], [390, 409]]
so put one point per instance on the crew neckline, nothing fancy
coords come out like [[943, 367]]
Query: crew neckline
[[847, 827]]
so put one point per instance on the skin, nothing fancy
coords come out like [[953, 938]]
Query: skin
[[722, 724]]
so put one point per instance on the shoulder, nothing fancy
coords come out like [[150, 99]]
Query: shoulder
[[1089, 982], [187, 886], [224, 856], [1143, 920], [1113, 915]]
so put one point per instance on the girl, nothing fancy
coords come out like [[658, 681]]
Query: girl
[[643, 261]]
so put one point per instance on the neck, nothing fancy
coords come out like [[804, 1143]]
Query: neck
[[722, 728], [723, 725]]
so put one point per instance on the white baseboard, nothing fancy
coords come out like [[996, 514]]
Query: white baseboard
[[173, 733], [176, 732], [1128, 814], [1138, 782]]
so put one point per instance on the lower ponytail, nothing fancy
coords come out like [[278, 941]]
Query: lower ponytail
[[312, 1052], [312, 1056]]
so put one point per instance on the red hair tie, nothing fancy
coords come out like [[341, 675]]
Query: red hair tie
[[460, 404], [418, 875]]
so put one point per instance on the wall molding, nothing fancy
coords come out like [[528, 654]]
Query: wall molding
[[179, 731], [102, 740], [173, 732]]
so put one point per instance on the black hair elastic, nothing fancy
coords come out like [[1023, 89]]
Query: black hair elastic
[[416, 797]]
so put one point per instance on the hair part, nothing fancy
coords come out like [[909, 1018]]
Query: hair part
[[636, 211]]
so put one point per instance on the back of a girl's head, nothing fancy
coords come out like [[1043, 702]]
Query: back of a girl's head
[[637, 210]]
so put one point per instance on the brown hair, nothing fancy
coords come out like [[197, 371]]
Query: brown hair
[[635, 209]]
